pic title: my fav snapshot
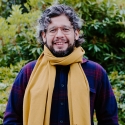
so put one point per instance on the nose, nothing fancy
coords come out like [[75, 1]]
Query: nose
[[59, 33]]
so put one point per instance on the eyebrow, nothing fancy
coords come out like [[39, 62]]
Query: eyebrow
[[60, 26]]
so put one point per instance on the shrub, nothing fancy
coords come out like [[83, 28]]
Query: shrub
[[18, 39], [103, 29], [104, 32], [118, 82], [7, 76]]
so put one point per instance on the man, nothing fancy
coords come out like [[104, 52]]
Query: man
[[61, 87]]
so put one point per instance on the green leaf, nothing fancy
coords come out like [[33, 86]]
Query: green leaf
[[96, 48]]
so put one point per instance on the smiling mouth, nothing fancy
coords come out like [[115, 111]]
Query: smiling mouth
[[60, 43]]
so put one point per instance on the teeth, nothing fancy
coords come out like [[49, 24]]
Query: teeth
[[59, 43]]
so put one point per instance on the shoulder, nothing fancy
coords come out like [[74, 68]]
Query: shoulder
[[26, 70], [95, 73], [91, 65], [24, 75], [29, 65]]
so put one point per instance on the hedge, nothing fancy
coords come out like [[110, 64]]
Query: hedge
[[104, 33]]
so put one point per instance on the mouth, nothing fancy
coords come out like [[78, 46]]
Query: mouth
[[60, 43]]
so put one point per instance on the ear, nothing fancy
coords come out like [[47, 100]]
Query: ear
[[77, 33], [43, 34]]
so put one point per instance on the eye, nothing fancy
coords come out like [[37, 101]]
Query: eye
[[52, 30], [66, 29]]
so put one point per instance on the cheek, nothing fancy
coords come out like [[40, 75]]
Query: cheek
[[72, 39], [49, 40]]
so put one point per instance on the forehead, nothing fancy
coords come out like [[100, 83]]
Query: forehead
[[59, 21]]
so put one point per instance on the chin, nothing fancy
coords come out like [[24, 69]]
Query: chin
[[60, 49]]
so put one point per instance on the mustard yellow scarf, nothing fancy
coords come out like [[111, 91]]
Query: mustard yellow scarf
[[38, 94]]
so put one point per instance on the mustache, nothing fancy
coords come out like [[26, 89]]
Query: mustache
[[59, 40]]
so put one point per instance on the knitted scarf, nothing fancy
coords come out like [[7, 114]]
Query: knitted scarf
[[38, 94]]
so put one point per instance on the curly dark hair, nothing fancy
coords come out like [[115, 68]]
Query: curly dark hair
[[54, 11]]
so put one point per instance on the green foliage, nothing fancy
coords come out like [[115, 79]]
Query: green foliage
[[103, 29], [104, 32], [118, 82], [18, 39], [7, 76], [5, 6]]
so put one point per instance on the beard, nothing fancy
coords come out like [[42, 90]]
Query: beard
[[61, 53]]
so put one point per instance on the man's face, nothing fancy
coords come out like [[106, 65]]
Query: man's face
[[60, 36]]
